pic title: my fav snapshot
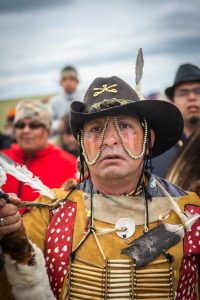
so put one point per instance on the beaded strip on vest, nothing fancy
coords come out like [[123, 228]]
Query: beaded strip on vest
[[121, 279]]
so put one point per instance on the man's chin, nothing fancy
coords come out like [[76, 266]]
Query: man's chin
[[28, 150], [194, 120], [113, 172]]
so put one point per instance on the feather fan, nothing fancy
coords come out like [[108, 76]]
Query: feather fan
[[24, 175], [3, 177]]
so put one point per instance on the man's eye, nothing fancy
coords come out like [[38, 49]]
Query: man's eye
[[197, 91], [124, 126], [96, 129], [183, 93]]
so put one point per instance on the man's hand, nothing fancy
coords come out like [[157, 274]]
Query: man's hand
[[10, 218]]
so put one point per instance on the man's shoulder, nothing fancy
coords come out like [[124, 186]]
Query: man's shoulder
[[185, 197], [57, 100], [78, 94], [5, 141], [13, 152], [172, 189], [62, 194], [59, 153], [9, 150], [191, 199]]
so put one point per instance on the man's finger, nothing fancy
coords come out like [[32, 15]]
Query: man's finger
[[11, 219], [2, 202], [14, 199], [8, 210], [10, 228]]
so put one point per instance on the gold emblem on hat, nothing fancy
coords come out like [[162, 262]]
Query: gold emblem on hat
[[105, 88]]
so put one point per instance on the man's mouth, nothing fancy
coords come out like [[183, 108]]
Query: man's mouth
[[111, 157], [27, 139], [193, 108]]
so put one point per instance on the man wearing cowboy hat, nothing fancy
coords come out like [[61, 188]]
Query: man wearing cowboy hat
[[185, 94], [115, 235]]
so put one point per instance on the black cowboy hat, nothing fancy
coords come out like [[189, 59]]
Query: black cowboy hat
[[112, 96], [185, 73]]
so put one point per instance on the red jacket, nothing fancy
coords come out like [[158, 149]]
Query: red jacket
[[52, 165]]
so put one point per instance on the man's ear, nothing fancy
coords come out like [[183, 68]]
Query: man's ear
[[152, 134]]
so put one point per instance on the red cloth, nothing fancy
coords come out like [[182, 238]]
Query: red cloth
[[52, 165], [190, 262]]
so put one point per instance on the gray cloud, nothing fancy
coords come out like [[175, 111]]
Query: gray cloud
[[39, 37], [24, 5]]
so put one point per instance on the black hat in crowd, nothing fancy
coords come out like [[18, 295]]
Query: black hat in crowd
[[185, 73], [112, 96]]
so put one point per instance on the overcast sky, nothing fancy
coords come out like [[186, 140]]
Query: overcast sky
[[100, 38]]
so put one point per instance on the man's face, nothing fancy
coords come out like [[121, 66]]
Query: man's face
[[187, 99], [31, 135], [69, 84], [114, 162]]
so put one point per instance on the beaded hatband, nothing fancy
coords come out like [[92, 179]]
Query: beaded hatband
[[106, 103], [135, 157]]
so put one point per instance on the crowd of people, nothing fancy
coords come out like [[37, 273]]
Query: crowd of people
[[129, 225]]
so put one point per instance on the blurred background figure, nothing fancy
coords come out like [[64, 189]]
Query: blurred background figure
[[185, 170], [32, 124], [154, 96], [60, 104], [67, 140], [7, 135], [46, 100], [185, 94]]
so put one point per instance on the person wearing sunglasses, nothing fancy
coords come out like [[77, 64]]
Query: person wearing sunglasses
[[32, 125], [185, 94]]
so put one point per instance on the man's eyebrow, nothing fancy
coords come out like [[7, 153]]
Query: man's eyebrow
[[184, 89], [189, 89], [122, 117], [126, 118], [94, 122]]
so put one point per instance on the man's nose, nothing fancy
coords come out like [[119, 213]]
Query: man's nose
[[26, 128], [192, 96], [111, 136]]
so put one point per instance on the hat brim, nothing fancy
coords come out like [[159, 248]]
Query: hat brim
[[169, 92], [163, 117]]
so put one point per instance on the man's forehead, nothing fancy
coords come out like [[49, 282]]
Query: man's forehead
[[27, 119], [186, 85], [132, 117]]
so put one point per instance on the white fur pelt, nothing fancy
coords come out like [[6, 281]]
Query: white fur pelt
[[29, 282]]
